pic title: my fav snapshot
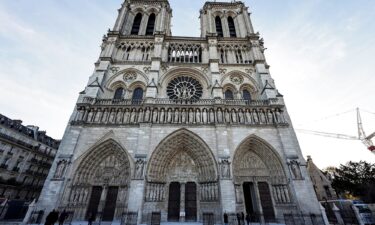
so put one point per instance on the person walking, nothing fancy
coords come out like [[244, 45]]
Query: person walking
[[248, 219], [225, 218], [90, 219], [238, 218], [242, 218]]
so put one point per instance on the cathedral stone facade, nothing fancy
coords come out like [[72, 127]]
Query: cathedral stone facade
[[181, 129]]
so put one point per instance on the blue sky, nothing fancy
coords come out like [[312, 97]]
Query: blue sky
[[320, 52]]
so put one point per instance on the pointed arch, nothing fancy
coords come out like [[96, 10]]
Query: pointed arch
[[219, 26], [186, 142], [108, 155], [232, 27], [254, 157], [151, 24], [136, 24]]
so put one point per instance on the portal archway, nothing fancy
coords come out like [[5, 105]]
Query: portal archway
[[260, 179], [182, 169], [100, 183]]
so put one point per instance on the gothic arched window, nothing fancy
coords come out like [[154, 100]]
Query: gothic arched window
[[246, 95], [219, 27], [119, 93], [228, 94], [136, 24], [232, 27], [137, 95], [151, 24]]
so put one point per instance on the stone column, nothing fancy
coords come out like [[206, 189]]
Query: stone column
[[182, 202]]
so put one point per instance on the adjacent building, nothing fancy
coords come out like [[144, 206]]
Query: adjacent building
[[26, 156], [174, 128], [322, 183]]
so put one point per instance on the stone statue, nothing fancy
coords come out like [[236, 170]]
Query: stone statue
[[60, 169], [139, 169], [225, 169], [296, 170]]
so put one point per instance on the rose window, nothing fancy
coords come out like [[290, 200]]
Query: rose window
[[184, 88]]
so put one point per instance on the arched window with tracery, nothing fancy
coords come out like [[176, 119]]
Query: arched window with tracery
[[246, 95], [228, 94], [151, 24], [137, 95], [232, 27], [136, 24], [219, 27], [119, 93]]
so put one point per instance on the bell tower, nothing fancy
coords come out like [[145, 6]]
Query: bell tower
[[225, 19], [144, 18]]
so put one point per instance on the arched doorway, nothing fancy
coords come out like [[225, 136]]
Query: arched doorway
[[260, 180], [182, 178], [100, 184]]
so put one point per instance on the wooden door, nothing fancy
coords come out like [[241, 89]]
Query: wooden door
[[266, 201], [174, 202], [191, 202], [92, 209], [110, 204]]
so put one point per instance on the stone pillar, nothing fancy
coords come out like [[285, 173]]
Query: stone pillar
[[228, 197], [336, 211], [182, 202], [136, 198]]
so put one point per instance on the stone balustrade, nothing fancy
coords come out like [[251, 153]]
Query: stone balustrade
[[166, 111]]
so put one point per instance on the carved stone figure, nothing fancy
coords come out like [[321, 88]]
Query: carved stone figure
[[60, 169], [225, 168], [296, 170], [139, 167]]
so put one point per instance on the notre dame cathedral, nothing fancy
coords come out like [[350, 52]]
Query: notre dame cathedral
[[181, 129]]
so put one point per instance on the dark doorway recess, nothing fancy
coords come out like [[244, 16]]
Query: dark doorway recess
[[110, 204], [174, 202], [266, 201], [92, 210], [191, 202]]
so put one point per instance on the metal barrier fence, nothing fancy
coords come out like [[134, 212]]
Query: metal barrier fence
[[155, 218], [129, 218]]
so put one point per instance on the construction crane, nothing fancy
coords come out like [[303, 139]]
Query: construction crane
[[366, 140]]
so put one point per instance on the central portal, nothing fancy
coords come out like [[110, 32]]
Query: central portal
[[182, 203]]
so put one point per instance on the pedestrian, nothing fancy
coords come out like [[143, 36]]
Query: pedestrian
[[248, 219], [90, 219], [238, 218], [242, 218], [62, 217], [225, 218]]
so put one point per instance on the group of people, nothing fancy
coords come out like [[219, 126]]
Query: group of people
[[240, 219], [55, 216]]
